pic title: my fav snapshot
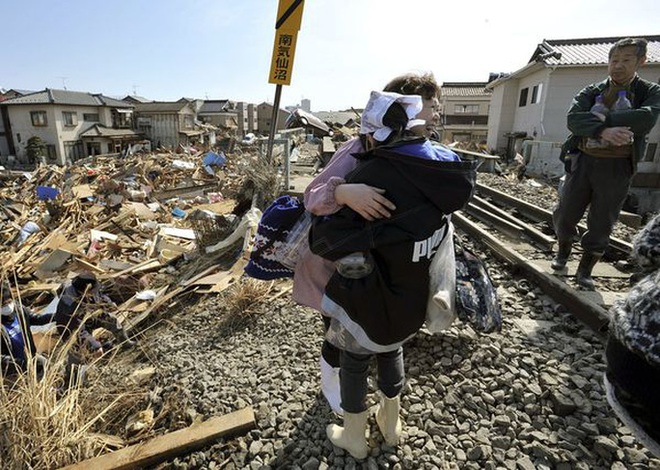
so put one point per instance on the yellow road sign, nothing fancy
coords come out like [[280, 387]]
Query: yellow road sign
[[289, 14], [281, 65]]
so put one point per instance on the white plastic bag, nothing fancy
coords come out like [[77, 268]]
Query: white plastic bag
[[440, 309], [296, 243]]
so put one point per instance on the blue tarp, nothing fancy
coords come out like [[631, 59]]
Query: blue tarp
[[45, 193]]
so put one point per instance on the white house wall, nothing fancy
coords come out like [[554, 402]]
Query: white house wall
[[529, 118], [502, 113], [548, 117], [567, 82], [55, 133], [22, 128]]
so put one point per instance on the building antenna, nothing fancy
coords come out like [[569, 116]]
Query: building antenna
[[135, 87], [64, 79]]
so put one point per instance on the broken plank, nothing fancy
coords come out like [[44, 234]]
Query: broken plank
[[173, 444]]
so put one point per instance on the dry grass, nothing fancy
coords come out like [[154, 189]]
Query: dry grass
[[46, 424], [246, 296]]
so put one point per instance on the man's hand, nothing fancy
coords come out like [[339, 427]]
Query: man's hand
[[617, 136], [366, 200]]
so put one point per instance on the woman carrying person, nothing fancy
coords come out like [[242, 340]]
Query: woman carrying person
[[376, 297], [329, 192]]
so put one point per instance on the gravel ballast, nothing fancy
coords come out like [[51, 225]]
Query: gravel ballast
[[529, 397]]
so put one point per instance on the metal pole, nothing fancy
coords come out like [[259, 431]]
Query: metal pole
[[273, 123]]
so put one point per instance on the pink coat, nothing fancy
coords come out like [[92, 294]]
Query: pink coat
[[313, 272]]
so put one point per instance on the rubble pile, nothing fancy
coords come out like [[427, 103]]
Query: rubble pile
[[144, 224]]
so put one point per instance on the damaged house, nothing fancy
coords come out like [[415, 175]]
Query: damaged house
[[71, 124], [170, 123], [528, 108]]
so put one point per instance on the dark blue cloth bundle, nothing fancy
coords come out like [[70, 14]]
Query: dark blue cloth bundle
[[274, 227]]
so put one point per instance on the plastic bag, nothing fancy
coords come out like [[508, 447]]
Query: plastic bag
[[441, 305], [296, 242]]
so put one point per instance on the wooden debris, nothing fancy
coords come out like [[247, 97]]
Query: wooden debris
[[172, 444]]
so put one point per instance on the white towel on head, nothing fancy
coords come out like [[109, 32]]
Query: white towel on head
[[378, 104]]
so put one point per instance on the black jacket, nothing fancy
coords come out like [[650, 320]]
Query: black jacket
[[390, 303]]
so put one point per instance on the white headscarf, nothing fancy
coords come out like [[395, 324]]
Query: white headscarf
[[379, 103]]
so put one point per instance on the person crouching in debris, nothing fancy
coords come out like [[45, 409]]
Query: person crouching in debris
[[16, 342], [77, 298]]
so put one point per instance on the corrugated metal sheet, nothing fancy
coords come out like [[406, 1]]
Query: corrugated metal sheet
[[589, 51]]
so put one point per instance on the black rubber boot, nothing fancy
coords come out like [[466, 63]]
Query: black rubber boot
[[563, 252], [583, 274]]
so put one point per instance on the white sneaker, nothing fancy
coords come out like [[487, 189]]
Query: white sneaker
[[330, 386]]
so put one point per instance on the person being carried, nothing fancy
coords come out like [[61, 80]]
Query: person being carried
[[376, 299], [16, 341], [602, 153], [329, 192]]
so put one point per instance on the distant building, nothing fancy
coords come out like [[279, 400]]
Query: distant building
[[135, 99], [62, 119], [264, 117], [464, 114], [528, 107], [306, 105], [253, 118], [168, 123]]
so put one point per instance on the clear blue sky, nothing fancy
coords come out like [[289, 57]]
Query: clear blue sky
[[221, 49]]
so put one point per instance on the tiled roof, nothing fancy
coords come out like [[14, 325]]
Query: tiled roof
[[464, 89], [214, 106], [589, 51], [136, 98], [161, 107], [66, 97], [99, 130]]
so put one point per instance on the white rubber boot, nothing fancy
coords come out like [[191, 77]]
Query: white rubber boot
[[387, 418], [352, 437], [330, 386]]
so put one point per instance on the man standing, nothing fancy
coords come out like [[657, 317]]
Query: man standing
[[604, 150]]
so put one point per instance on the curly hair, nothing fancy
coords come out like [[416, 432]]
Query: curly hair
[[423, 84]]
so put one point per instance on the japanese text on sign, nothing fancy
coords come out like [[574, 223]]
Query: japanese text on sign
[[282, 60]]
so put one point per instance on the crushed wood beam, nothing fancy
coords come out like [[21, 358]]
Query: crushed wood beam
[[171, 445]]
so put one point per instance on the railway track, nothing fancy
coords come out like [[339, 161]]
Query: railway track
[[519, 234]]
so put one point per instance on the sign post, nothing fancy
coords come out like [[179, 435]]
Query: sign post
[[289, 17]]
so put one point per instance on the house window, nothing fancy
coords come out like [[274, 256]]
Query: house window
[[536, 93], [523, 97], [70, 118], [122, 118], [51, 153], [39, 118], [91, 117], [73, 150], [466, 109]]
